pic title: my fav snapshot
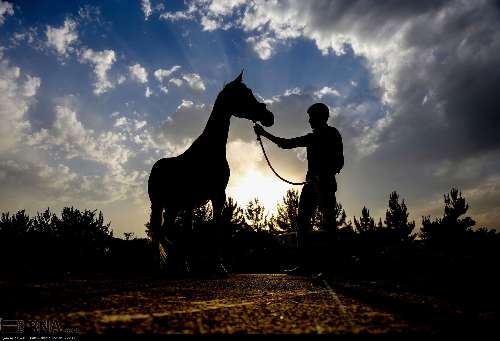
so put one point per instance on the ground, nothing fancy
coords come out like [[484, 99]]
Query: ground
[[240, 303]]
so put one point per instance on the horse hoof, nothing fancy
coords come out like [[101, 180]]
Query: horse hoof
[[221, 271]]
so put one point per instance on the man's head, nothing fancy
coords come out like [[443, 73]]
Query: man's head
[[318, 114]]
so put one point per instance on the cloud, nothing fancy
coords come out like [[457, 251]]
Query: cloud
[[209, 24], [194, 81], [263, 46], [17, 95], [31, 86], [164, 89], [224, 7], [76, 141], [176, 81], [138, 73], [326, 91], [121, 79], [148, 92], [432, 65], [102, 62], [181, 127], [6, 9], [176, 16], [146, 8], [453, 69], [68, 139], [161, 74], [63, 37]]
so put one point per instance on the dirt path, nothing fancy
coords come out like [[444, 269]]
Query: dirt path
[[237, 304]]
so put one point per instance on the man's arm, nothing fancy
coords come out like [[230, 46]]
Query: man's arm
[[295, 142]]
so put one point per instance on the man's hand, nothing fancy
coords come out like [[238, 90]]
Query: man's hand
[[258, 129]]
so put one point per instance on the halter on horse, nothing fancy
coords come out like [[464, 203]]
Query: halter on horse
[[201, 173]]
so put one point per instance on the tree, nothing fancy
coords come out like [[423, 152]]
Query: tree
[[16, 225], [272, 225], [128, 235], [254, 214], [44, 223], [396, 221], [451, 228], [366, 224], [288, 212], [341, 217], [232, 213]]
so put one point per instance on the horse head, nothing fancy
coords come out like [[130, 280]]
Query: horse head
[[242, 103]]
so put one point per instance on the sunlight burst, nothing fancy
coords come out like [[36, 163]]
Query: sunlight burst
[[254, 184]]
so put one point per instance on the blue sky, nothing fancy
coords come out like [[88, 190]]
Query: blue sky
[[94, 92]]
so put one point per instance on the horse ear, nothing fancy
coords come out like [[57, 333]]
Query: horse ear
[[239, 78]]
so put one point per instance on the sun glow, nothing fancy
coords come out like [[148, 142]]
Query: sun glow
[[254, 184]]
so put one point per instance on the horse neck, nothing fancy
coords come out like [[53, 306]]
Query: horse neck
[[217, 129]]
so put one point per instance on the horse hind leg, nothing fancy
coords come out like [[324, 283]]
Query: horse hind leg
[[218, 203], [155, 220], [155, 226]]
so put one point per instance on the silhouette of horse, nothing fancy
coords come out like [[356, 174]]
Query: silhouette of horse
[[201, 173]]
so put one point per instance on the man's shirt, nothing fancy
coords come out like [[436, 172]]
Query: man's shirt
[[324, 149]]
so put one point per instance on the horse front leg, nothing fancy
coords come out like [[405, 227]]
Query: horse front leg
[[218, 203]]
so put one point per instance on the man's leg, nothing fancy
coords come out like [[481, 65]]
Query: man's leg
[[307, 205], [327, 203]]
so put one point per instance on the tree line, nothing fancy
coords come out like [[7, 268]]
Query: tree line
[[81, 241]]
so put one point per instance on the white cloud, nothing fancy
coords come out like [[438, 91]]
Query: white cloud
[[102, 62], [185, 104], [326, 91], [164, 89], [194, 81], [148, 92], [263, 46], [176, 16], [139, 124], [161, 74], [121, 79], [69, 138], [176, 81], [17, 94], [146, 8], [78, 142], [63, 37], [209, 24], [138, 73], [121, 121], [31, 86], [6, 9], [224, 7]]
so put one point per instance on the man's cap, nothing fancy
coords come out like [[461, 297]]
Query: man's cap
[[319, 110]]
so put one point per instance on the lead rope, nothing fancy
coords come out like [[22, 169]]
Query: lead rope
[[270, 166]]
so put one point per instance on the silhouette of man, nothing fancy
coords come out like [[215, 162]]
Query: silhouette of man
[[325, 159]]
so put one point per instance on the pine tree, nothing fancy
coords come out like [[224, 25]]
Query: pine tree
[[341, 217], [254, 214], [449, 229], [232, 213], [366, 224], [288, 211], [396, 221]]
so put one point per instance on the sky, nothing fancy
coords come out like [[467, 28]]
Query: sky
[[92, 93]]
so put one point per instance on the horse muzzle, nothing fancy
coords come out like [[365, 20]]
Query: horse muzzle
[[267, 118]]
